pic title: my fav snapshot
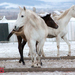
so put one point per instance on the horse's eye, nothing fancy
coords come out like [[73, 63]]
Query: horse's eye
[[22, 16]]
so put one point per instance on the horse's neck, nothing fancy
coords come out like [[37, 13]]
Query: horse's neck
[[65, 20]]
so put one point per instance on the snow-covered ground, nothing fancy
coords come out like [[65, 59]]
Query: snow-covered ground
[[40, 73], [10, 50]]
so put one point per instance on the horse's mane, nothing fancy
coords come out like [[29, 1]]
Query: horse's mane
[[31, 17], [45, 15], [63, 14]]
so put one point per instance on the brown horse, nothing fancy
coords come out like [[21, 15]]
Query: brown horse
[[20, 35]]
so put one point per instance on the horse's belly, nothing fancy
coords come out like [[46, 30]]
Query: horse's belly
[[39, 35], [36, 35]]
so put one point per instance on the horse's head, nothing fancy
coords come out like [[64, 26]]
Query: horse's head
[[22, 16], [72, 9], [49, 21]]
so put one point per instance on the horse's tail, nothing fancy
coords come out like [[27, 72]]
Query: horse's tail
[[10, 34]]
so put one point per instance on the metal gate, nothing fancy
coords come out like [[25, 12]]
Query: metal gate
[[3, 31]]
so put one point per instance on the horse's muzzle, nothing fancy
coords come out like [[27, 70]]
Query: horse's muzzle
[[56, 27], [16, 28]]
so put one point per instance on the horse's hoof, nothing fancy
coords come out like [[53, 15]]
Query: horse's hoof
[[32, 66], [19, 61], [23, 63], [29, 54], [35, 66], [58, 55], [41, 63], [68, 55], [39, 66], [43, 55]]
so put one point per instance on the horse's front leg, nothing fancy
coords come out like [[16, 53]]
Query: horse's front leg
[[20, 50], [58, 44], [36, 49], [65, 39], [31, 44]]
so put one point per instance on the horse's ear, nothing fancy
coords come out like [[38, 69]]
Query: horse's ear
[[20, 8], [50, 14], [74, 7], [24, 8]]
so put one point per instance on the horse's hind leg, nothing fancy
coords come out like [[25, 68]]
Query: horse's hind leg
[[31, 44], [20, 50], [43, 55], [39, 51], [36, 49], [65, 39], [58, 44]]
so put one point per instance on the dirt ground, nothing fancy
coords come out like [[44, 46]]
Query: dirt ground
[[47, 63]]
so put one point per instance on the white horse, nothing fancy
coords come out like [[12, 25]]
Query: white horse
[[62, 21], [34, 29]]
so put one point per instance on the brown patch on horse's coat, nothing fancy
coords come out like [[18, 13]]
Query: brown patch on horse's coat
[[20, 32]]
